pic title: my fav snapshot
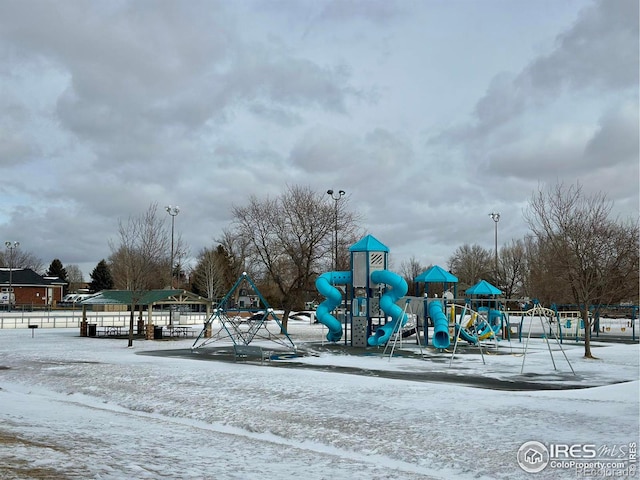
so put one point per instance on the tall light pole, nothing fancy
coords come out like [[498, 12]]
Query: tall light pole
[[173, 211], [11, 246], [336, 198], [495, 216]]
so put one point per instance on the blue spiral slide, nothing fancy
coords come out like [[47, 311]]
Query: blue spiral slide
[[388, 305], [325, 285]]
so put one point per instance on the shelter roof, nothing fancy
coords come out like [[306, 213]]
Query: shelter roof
[[147, 297]]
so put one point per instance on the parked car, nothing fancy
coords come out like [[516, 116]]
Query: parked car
[[74, 299]]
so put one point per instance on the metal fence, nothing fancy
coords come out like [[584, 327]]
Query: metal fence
[[72, 319]]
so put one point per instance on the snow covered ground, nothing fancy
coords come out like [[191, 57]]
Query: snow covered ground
[[82, 408]]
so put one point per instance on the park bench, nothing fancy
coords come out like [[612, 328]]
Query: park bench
[[110, 330], [180, 330], [241, 351]]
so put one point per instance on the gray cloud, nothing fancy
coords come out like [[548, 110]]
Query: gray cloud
[[376, 11], [572, 150], [165, 69], [14, 147], [108, 107], [599, 51], [524, 129], [617, 138]]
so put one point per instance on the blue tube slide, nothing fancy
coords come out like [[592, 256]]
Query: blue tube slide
[[440, 325], [325, 286], [388, 305]]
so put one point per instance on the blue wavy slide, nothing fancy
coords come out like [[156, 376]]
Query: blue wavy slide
[[462, 333], [388, 305], [325, 285], [440, 325]]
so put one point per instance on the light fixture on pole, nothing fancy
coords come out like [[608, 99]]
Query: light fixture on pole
[[11, 246], [336, 198], [173, 211], [495, 216]]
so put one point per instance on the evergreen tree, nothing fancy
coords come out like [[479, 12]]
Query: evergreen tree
[[57, 270], [101, 278]]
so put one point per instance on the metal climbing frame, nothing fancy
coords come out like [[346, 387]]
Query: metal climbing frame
[[242, 316]]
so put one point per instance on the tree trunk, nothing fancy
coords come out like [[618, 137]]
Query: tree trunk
[[131, 326], [285, 321], [587, 332]]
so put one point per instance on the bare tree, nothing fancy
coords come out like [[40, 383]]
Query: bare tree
[[74, 277], [211, 272], [238, 259], [583, 247], [22, 259], [139, 262], [541, 279], [512, 268], [470, 263], [410, 269], [238, 251], [290, 238], [349, 232], [181, 251]]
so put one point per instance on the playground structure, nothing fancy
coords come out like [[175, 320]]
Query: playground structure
[[242, 316], [364, 284], [371, 297], [372, 291]]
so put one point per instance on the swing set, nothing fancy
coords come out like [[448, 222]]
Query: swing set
[[547, 317]]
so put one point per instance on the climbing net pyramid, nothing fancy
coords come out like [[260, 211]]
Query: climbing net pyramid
[[242, 316]]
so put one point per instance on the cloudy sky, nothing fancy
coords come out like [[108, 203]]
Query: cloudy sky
[[430, 114]]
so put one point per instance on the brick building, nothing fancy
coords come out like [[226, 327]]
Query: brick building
[[29, 288]]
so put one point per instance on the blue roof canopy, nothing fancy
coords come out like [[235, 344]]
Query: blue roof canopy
[[483, 288], [369, 244], [436, 274]]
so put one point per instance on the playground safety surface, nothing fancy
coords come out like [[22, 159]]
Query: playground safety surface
[[456, 375]]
